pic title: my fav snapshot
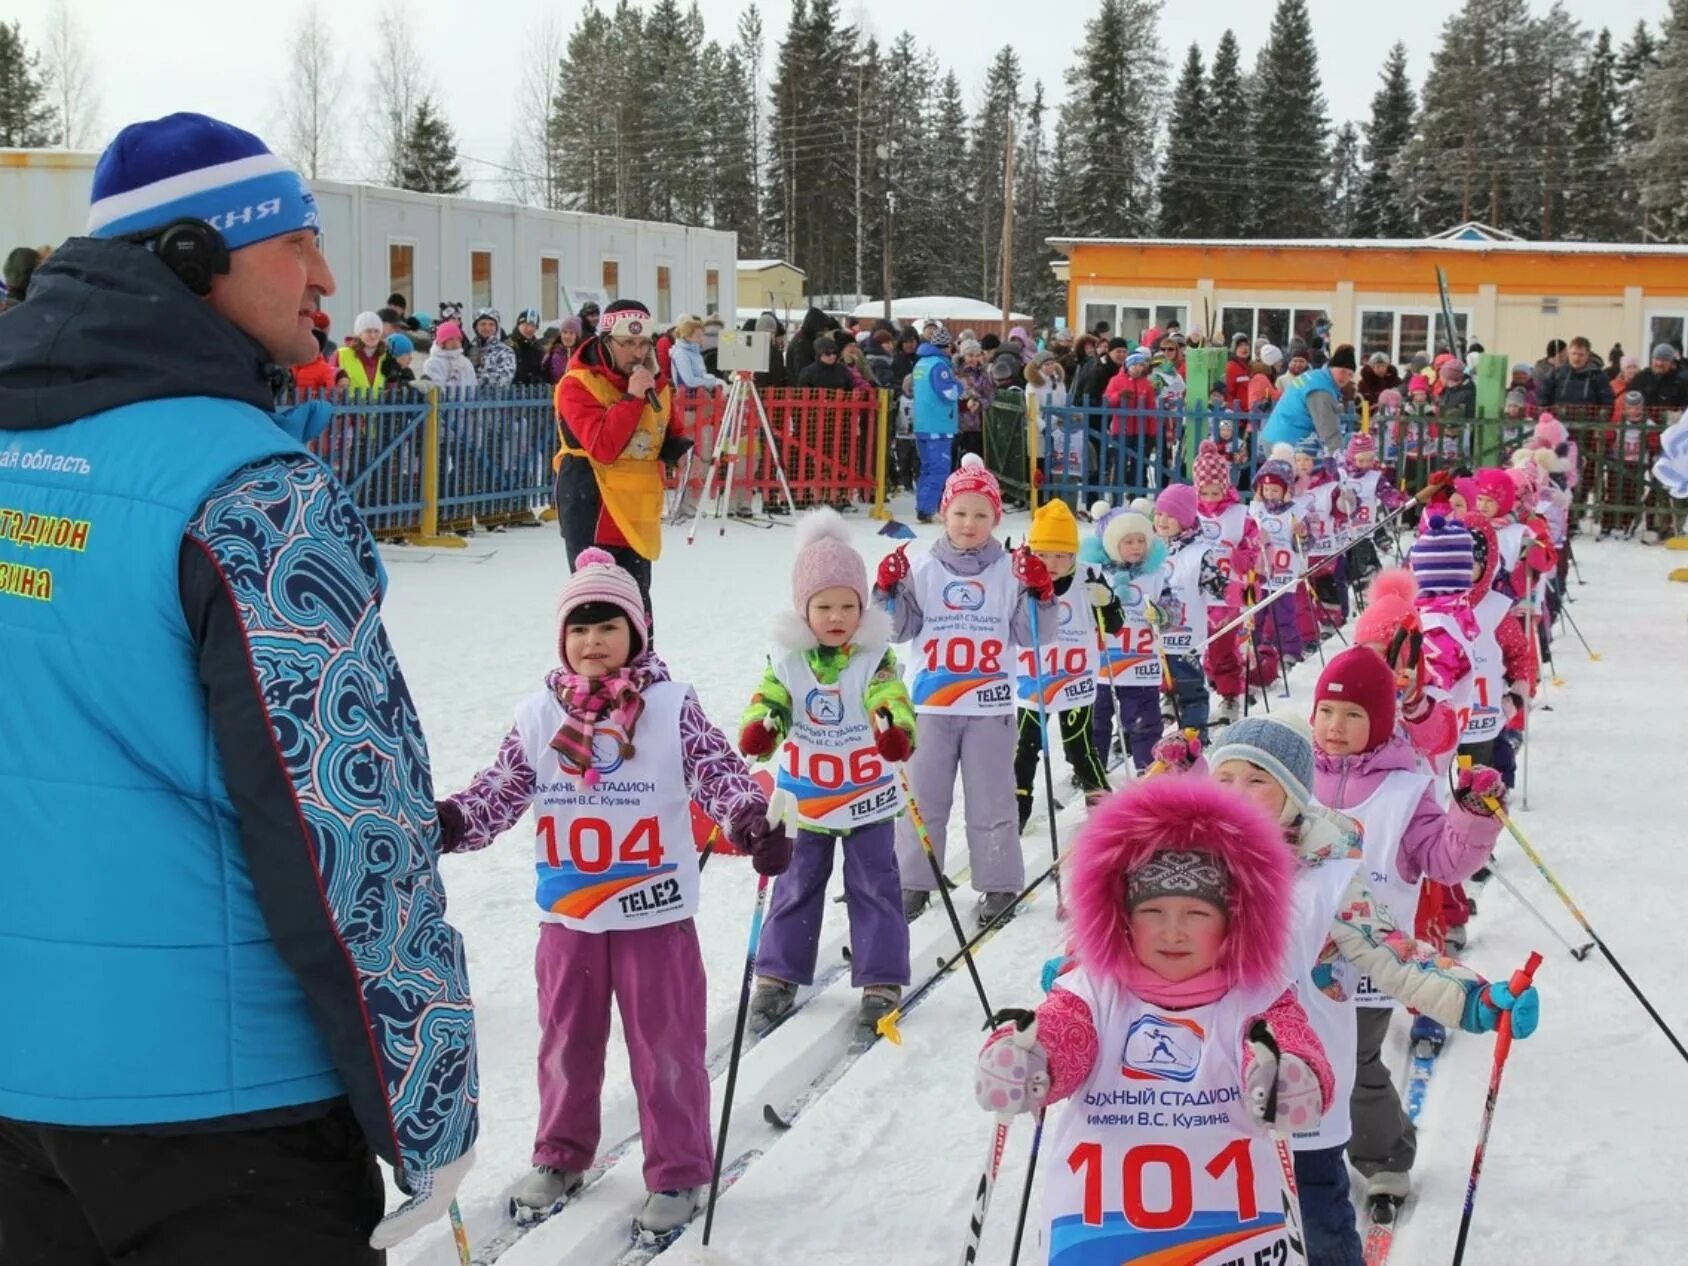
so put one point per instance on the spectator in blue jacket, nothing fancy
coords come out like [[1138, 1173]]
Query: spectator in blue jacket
[[229, 975], [1312, 404], [937, 396]]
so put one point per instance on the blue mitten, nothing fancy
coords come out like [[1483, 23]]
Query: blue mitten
[[1483, 1009], [1052, 971]]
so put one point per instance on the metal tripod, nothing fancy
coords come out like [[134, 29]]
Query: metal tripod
[[729, 446]]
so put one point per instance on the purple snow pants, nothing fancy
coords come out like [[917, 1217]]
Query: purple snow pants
[[656, 977], [1139, 720], [872, 894], [982, 749]]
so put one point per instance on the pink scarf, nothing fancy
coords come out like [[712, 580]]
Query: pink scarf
[[1199, 990], [587, 703]]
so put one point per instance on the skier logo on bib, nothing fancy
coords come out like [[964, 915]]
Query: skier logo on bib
[[609, 745], [964, 595], [825, 706], [1161, 1049]]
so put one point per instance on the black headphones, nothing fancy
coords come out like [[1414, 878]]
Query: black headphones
[[191, 249]]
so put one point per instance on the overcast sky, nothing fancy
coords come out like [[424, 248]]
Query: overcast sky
[[156, 57]]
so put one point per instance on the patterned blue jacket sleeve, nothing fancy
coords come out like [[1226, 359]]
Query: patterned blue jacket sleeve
[[325, 763]]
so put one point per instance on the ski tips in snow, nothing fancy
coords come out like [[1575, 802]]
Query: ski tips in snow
[[897, 530]]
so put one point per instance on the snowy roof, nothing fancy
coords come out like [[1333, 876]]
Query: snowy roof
[[762, 265], [1474, 231], [938, 308], [1469, 246]]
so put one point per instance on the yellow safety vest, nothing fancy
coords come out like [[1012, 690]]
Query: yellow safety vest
[[631, 485], [356, 378]]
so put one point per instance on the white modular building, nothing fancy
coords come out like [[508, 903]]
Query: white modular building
[[432, 248]]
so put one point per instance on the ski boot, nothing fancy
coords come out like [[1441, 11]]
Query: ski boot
[[543, 1192], [915, 901], [1385, 1194], [1169, 709], [1227, 713], [992, 904], [878, 1001], [771, 1003], [665, 1215], [1454, 940], [1427, 1038]]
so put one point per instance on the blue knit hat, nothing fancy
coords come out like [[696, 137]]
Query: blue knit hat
[[1282, 746], [1311, 445], [190, 167], [399, 345], [1442, 558]]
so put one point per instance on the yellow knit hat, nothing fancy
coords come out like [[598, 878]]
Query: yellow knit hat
[[1054, 530]]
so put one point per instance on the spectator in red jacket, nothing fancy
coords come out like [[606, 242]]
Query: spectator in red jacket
[[1238, 370], [1132, 392]]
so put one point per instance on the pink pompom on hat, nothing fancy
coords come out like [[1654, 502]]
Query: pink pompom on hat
[[1178, 502], [972, 477], [1389, 607], [1550, 431], [598, 580]]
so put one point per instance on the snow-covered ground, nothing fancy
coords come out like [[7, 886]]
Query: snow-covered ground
[[1584, 1158]]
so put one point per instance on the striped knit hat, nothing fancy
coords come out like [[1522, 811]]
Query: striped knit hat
[[600, 590], [972, 477], [190, 167], [1361, 443], [1441, 558]]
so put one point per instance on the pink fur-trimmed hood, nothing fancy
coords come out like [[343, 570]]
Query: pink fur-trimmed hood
[[1182, 813]]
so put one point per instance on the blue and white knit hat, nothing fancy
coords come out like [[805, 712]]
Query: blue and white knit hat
[[1442, 558], [1280, 745], [1312, 446], [190, 167]]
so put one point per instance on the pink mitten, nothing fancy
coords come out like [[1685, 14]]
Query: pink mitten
[[1177, 753], [1476, 786], [1012, 1073], [1299, 1098]]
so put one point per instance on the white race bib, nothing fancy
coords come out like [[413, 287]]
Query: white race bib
[[829, 762], [964, 655], [1068, 666]]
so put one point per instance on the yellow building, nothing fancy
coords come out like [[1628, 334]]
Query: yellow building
[[1509, 295], [771, 284]]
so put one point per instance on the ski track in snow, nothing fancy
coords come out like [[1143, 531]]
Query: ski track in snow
[[883, 1166]]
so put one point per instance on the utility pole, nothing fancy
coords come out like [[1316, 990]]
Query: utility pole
[[885, 255], [1008, 231]]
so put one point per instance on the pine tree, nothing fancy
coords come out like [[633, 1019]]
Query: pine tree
[[730, 125], [669, 165], [1635, 59], [1657, 157], [1035, 288], [749, 47], [1345, 181], [1186, 203], [989, 140], [1227, 183], [26, 114], [918, 221], [953, 190], [1380, 211], [580, 132], [430, 154], [1122, 79], [1598, 199], [1290, 128]]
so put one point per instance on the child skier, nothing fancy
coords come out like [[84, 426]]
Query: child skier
[[1068, 667], [1319, 497], [1443, 564], [1375, 497], [834, 696], [1190, 582], [1365, 768], [964, 607], [1279, 525], [1131, 669], [1343, 934], [1227, 528], [1180, 893], [617, 888], [907, 460]]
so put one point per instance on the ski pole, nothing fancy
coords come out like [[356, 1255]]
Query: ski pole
[[1166, 670], [1261, 1032], [1048, 772], [1578, 954], [1026, 1193], [1277, 617], [943, 889], [1577, 914], [1503, 1046], [459, 1234], [1023, 1038], [1254, 649], [1565, 610], [776, 810]]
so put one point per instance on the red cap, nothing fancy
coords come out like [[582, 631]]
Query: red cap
[[1359, 676]]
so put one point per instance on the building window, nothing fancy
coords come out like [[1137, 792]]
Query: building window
[[550, 287], [1276, 325], [711, 291], [1130, 319], [1666, 327], [1167, 313], [480, 280], [1402, 333], [664, 294], [401, 271], [612, 280]]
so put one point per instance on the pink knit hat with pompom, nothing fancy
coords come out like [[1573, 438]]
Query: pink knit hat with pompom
[[598, 580]]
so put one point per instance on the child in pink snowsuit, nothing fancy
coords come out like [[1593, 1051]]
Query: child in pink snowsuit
[[1225, 525], [609, 755], [1180, 892]]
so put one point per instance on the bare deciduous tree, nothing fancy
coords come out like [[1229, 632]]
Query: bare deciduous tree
[[397, 85], [68, 70], [532, 176], [316, 79]]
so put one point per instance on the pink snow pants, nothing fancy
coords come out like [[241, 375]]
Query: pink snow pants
[[656, 977]]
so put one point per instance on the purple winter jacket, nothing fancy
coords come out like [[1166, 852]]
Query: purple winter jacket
[[1448, 846]]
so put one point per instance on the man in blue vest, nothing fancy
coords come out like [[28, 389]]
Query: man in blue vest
[[1312, 405], [229, 979], [936, 398]]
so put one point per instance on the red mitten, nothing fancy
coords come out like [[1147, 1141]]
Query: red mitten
[[1032, 572], [759, 738], [894, 744], [893, 570], [1478, 785]]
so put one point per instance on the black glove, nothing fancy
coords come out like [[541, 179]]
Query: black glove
[[674, 449]]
